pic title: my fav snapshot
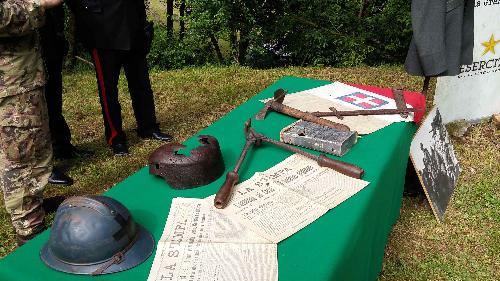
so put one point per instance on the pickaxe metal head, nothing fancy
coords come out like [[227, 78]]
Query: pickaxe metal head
[[251, 135], [248, 125], [279, 97]]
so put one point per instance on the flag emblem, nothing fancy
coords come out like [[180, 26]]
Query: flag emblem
[[363, 100]]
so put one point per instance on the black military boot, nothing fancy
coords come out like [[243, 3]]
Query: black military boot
[[120, 148], [156, 134], [59, 178]]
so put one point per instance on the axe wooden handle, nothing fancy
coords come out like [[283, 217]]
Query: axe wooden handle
[[308, 116], [341, 167], [224, 194]]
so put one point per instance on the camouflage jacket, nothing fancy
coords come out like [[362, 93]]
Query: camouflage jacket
[[21, 65]]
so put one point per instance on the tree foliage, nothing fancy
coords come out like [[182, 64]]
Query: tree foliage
[[266, 33]]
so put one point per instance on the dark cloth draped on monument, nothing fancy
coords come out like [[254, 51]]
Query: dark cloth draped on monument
[[443, 37]]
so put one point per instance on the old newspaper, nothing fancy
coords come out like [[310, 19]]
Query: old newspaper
[[286, 198], [201, 244]]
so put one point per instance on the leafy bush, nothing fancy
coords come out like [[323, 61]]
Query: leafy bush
[[171, 53], [305, 32], [389, 32], [341, 33]]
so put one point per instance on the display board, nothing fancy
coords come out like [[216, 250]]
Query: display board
[[434, 159], [473, 94]]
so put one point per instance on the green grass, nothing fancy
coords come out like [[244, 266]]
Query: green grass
[[465, 247]]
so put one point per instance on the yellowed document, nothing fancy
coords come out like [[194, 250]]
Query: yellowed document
[[270, 209], [322, 185], [200, 244], [286, 198]]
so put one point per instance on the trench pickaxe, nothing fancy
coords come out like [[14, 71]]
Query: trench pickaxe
[[276, 104]]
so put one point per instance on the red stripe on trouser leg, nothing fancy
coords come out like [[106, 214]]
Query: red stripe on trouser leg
[[100, 80]]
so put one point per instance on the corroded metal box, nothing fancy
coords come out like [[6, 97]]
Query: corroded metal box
[[317, 137]]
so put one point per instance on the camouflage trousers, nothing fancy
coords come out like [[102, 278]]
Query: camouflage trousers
[[25, 158]]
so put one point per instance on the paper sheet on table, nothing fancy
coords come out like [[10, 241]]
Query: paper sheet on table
[[270, 209], [322, 185], [346, 97], [200, 244], [286, 198]]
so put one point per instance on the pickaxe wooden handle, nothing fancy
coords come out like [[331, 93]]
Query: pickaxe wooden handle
[[306, 116], [277, 105], [322, 160], [223, 196]]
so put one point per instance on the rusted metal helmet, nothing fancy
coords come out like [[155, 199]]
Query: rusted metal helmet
[[95, 235], [203, 165]]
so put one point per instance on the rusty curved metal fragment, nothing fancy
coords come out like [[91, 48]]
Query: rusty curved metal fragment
[[202, 166]]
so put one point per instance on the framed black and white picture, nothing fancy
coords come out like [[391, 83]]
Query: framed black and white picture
[[435, 161]]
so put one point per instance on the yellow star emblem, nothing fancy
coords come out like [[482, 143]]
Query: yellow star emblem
[[490, 45]]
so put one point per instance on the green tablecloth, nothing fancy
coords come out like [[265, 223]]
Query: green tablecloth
[[345, 244]]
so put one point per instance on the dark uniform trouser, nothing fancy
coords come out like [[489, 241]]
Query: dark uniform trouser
[[25, 158], [108, 64], [59, 130]]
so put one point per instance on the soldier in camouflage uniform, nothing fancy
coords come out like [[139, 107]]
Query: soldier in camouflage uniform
[[25, 148]]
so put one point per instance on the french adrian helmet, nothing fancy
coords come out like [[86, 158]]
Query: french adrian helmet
[[95, 235]]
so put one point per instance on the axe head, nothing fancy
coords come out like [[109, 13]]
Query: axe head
[[279, 97], [263, 112], [252, 135], [248, 125]]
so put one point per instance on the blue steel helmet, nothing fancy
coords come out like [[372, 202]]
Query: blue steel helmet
[[95, 235]]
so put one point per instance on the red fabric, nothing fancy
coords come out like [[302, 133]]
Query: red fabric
[[415, 99], [100, 78]]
